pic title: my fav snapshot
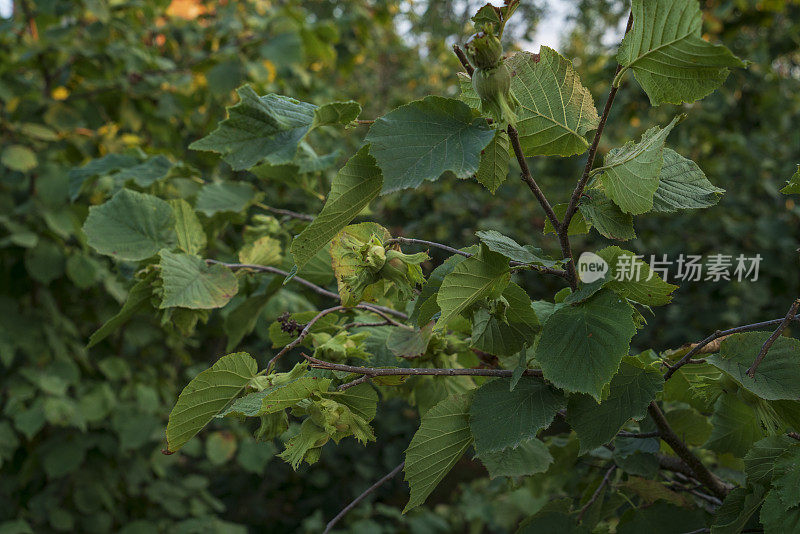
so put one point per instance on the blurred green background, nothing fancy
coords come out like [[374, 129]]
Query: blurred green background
[[81, 430]]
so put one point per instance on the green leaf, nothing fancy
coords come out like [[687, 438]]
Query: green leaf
[[528, 254], [581, 347], [362, 400], [191, 237], [631, 174], [233, 197], [529, 458], [354, 186], [633, 279], [425, 307], [506, 336], [138, 297], [759, 462], [189, 282], [409, 343], [278, 398], [554, 517], [667, 54], [682, 185], [265, 250], [778, 375], [793, 185], [661, 518], [606, 217], [500, 419], [577, 225], [786, 477], [206, 395], [555, 110], [108, 164], [736, 426], [242, 320], [478, 277], [18, 158], [777, 518], [442, 438], [493, 167], [145, 173], [631, 391], [736, 509], [468, 94], [421, 140], [131, 226], [269, 128]]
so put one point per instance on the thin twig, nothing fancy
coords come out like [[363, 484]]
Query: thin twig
[[462, 58], [302, 281], [701, 472], [527, 177], [363, 496], [365, 121], [572, 207], [286, 213], [355, 382], [453, 250], [307, 329], [640, 435], [718, 334], [773, 337], [415, 371], [365, 325], [596, 493]]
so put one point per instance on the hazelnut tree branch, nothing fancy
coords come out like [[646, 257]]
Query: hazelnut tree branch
[[751, 372]]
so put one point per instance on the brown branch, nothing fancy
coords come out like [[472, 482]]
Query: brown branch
[[596, 494], [363, 496], [302, 281], [640, 435], [700, 471], [364, 121], [462, 58], [286, 213], [572, 207], [414, 371], [773, 337], [355, 382], [718, 334]]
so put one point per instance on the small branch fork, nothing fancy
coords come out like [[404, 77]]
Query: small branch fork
[[363, 496], [597, 492], [790, 315], [687, 358]]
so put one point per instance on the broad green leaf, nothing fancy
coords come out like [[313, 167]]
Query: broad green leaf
[[137, 299], [506, 336], [442, 438], [233, 197], [19, 158], [425, 307], [777, 518], [662, 518], [778, 375], [354, 186], [606, 217], [581, 347], [554, 517], [468, 94], [265, 250], [682, 185], [241, 321], [529, 458], [512, 250], [693, 426], [793, 185], [736, 426], [421, 140], [145, 173], [577, 225], [630, 175], [667, 54], [409, 343], [206, 395], [362, 400], [653, 490], [555, 111], [786, 476], [108, 164], [189, 282], [759, 462], [131, 226], [736, 510], [191, 237], [502, 419], [269, 128], [631, 391], [633, 279], [493, 168], [278, 398], [478, 277]]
